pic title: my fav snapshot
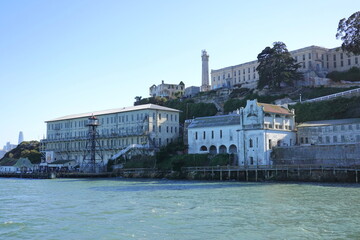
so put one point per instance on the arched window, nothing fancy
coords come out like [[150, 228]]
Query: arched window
[[213, 150], [222, 149], [203, 148], [232, 149]]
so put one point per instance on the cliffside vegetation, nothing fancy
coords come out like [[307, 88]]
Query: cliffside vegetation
[[335, 109], [188, 107], [25, 149], [353, 74]]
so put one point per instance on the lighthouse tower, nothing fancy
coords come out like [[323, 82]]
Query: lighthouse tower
[[205, 72]]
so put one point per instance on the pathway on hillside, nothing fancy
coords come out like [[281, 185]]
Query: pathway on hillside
[[348, 93]]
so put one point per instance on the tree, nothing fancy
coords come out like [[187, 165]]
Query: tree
[[349, 32], [276, 66]]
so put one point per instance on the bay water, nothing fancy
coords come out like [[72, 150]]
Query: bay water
[[165, 209]]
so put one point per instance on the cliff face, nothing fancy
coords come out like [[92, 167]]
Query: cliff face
[[25, 149]]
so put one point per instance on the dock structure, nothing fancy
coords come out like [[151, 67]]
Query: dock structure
[[303, 173]]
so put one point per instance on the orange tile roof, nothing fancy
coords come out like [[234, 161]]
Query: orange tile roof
[[271, 108]]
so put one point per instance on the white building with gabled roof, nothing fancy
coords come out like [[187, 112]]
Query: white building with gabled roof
[[149, 125], [249, 134]]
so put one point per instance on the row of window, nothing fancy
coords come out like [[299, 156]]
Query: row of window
[[212, 135], [333, 139], [334, 128], [106, 132], [106, 144], [168, 129]]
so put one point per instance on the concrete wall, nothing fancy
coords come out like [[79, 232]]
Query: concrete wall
[[339, 155]]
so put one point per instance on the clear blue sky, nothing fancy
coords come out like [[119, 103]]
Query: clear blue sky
[[74, 56]]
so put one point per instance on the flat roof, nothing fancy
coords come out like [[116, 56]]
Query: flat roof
[[116, 110], [329, 122]]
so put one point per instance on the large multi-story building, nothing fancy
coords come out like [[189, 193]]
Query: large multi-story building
[[329, 132], [315, 62], [167, 90], [149, 125], [250, 134]]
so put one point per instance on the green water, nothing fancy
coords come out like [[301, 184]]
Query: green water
[[149, 209]]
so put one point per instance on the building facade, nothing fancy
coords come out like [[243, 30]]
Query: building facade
[[149, 125], [329, 132], [315, 62], [167, 90], [251, 133], [191, 91]]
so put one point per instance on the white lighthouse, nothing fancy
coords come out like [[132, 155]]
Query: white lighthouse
[[205, 72]]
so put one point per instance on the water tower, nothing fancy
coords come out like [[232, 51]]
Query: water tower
[[93, 159]]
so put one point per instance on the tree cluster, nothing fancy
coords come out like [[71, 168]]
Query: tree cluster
[[277, 67], [349, 32]]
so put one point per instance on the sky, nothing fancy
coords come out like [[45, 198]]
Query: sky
[[74, 56]]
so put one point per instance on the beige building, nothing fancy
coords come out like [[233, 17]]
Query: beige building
[[167, 90], [315, 62], [148, 125]]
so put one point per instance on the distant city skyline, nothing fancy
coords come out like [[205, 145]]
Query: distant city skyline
[[66, 57]]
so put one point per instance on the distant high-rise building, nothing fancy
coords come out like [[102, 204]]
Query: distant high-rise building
[[21, 137]]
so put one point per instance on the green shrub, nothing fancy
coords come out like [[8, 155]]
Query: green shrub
[[353, 74]]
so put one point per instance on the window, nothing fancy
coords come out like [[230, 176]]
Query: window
[[334, 64], [334, 57], [167, 129], [204, 135], [159, 116], [306, 140], [234, 73], [343, 138], [334, 139], [159, 128], [250, 143], [212, 134], [309, 55], [320, 139], [220, 133], [327, 139], [304, 57], [251, 161], [196, 135], [341, 56], [342, 63], [349, 61], [356, 60]]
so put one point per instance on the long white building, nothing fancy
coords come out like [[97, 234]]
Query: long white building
[[149, 125], [315, 62], [250, 134]]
